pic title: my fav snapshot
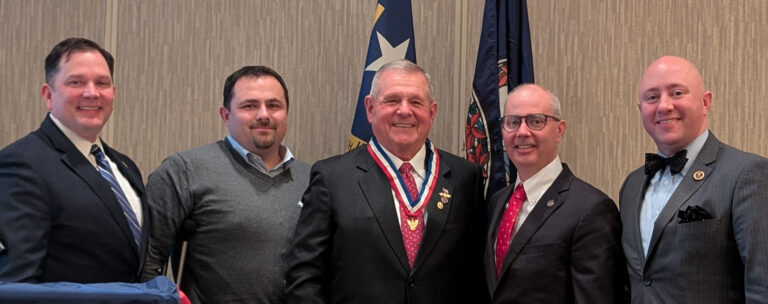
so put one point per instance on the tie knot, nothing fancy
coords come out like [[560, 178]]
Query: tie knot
[[96, 151], [655, 162], [519, 193], [405, 168]]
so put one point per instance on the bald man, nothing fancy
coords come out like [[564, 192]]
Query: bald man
[[553, 238], [695, 217]]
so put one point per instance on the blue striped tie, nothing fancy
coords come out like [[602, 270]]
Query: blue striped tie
[[106, 173]]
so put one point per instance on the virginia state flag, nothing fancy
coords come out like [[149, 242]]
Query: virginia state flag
[[391, 38], [504, 61]]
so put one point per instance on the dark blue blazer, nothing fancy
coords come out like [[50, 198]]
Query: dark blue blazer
[[59, 220], [568, 250]]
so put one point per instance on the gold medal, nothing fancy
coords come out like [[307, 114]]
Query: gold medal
[[412, 223], [440, 205]]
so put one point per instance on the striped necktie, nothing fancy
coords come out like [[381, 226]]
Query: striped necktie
[[106, 173]]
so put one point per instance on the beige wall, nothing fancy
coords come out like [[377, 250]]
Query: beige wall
[[172, 58]]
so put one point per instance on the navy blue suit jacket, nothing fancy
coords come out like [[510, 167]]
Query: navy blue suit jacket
[[568, 250], [60, 220]]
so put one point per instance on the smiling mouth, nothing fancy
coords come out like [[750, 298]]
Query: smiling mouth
[[402, 125], [89, 108], [523, 146], [667, 121]]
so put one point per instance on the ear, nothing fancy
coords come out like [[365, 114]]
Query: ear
[[432, 109], [45, 91], [707, 99], [224, 113], [560, 129], [368, 107]]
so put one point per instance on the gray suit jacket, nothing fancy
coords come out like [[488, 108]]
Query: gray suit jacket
[[718, 260]]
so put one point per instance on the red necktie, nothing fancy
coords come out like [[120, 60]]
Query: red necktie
[[411, 237], [504, 234]]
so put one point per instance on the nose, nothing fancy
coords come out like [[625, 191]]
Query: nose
[[666, 104], [404, 108], [90, 90], [262, 113], [523, 130]]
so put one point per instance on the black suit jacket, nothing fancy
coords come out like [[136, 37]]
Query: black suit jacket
[[568, 250], [348, 247], [60, 221]]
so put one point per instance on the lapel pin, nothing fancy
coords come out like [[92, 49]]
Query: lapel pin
[[698, 175], [444, 196], [550, 203]]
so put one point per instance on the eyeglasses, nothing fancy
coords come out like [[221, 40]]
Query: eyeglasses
[[536, 122]]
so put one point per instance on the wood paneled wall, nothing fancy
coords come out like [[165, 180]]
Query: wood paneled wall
[[172, 58]]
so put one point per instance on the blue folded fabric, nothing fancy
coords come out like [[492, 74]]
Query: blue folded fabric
[[158, 290]]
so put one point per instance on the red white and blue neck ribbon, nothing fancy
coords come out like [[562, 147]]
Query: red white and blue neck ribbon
[[413, 205]]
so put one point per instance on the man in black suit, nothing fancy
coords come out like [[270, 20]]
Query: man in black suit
[[68, 212], [552, 237], [396, 221]]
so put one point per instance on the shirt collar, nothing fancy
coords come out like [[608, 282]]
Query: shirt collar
[[538, 183], [83, 145], [256, 160], [417, 162]]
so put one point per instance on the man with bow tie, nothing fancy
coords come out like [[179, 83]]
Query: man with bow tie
[[694, 216], [552, 237], [396, 221]]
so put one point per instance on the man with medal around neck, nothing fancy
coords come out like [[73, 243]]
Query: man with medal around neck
[[552, 237], [696, 230], [368, 233]]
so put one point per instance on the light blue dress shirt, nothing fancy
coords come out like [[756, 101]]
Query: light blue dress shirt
[[662, 185], [256, 161]]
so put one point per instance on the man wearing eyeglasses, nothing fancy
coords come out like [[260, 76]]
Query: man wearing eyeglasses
[[552, 237]]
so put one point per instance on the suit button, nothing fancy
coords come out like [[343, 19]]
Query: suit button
[[411, 283], [647, 282]]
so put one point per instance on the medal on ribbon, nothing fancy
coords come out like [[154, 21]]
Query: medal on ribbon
[[413, 206]]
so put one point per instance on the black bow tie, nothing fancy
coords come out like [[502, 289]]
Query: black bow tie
[[655, 162]]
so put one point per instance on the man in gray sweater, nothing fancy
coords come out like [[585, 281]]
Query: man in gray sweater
[[235, 201]]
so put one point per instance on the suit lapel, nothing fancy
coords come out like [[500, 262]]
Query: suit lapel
[[134, 179], [687, 187], [552, 199], [436, 217], [375, 187], [130, 175], [75, 160]]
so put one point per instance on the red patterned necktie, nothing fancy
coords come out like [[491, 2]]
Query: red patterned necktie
[[411, 236], [504, 234]]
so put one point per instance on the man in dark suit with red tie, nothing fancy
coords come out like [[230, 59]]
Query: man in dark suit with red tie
[[552, 237], [396, 221], [71, 207]]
